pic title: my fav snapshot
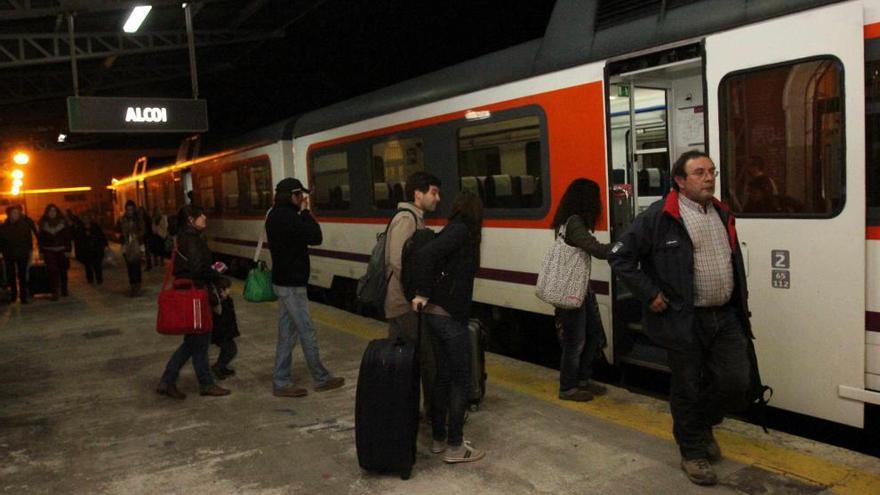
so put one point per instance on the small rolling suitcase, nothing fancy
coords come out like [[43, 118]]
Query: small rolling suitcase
[[477, 337], [38, 279], [387, 407]]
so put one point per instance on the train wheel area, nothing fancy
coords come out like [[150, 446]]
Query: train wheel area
[[79, 414]]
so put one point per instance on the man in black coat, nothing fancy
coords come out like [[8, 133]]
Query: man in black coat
[[291, 229], [16, 245], [682, 259]]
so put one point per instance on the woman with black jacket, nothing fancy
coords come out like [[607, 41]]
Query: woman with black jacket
[[444, 282], [90, 242], [582, 336], [192, 260], [55, 244]]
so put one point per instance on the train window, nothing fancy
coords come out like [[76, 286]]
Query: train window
[[501, 162], [391, 162], [206, 194], [258, 184], [330, 184], [872, 128], [229, 183], [782, 139]]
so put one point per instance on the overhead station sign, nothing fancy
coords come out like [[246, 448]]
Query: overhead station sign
[[97, 114]]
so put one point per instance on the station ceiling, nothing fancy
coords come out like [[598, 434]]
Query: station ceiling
[[259, 61]]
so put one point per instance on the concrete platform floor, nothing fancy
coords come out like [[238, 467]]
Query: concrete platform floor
[[78, 414]]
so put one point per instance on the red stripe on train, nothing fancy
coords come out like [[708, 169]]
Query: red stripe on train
[[872, 30]]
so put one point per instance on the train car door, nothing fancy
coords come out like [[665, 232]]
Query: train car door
[[655, 112], [786, 128]]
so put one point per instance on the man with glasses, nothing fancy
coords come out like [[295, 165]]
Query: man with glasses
[[682, 259], [291, 229]]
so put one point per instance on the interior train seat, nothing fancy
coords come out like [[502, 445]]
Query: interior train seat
[[382, 195]]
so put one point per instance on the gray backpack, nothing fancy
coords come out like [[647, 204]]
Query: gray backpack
[[373, 285]]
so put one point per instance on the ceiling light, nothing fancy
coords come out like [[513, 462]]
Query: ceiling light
[[137, 16], [21, 158]]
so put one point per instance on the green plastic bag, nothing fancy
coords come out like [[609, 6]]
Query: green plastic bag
[[258, 286]]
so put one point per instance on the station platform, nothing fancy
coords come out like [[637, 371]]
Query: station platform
[[79, 414]]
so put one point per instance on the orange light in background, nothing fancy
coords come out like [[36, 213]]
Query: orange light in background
[[58, 190], [21, 158], [17, 174]]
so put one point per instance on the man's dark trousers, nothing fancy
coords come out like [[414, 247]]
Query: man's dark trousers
[[710, 377]]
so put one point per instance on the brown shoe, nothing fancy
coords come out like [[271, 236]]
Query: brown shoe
[[576, 395], [290, 391], [214, 391], [332, 383], [593, 388], [170, 391], [713, 450], [699, 471]]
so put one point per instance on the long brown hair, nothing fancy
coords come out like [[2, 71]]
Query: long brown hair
[[467, 208]]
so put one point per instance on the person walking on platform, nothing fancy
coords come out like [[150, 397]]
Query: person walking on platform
[[444, 283], [89, 244], [16, 245], [55, 245], [225, 331], [158, 236], [147, 236], [291, 229], [131, 229], [582, 336], [682, 259], [422, 195], [193, 261]]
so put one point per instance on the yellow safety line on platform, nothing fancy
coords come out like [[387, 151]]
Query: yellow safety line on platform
[[840, 478]]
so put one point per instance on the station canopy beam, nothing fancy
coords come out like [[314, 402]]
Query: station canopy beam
[[19, 50]]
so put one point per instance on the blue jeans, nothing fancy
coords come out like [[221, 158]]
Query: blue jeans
[[195, 346], [710, 377], [452, 353], [581, 339], [294, 323]]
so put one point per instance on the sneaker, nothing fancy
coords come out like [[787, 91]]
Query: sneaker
[[170, 391], [290, 391], [214, 391], [335, 382], [699, 471], [593, 387], [713, 450], [576, 395], [438, 446], [463, 453]]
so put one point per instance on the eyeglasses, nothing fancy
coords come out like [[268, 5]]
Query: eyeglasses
[[701, 172]]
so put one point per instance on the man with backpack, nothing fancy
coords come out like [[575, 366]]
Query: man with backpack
[[423, 195]]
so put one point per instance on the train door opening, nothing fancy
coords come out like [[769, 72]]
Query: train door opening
[[654, 112]]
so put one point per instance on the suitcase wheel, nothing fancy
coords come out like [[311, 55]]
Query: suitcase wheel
[[404, 475], [474, 407]]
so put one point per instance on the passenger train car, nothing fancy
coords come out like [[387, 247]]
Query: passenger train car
[[782, 95]]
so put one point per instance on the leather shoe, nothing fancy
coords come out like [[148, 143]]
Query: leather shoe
[[290, 391], [699, 471], [335, 382], [214, 391], [170, 391]]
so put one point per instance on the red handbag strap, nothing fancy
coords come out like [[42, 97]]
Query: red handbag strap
[[169, 272]]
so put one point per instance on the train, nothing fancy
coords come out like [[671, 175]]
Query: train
[[784, 96]]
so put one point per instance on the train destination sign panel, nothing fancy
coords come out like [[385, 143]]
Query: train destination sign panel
[[97, 114]]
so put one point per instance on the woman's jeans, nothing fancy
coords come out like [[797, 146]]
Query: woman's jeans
[[195, 347], [452, 353], [581, 339]]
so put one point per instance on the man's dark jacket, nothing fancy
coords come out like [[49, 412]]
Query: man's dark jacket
[[194, 258], [656, 254], [16, 242], [290, 233]]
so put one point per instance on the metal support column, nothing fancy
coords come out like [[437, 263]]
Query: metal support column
[[72, 41], [192, 50]]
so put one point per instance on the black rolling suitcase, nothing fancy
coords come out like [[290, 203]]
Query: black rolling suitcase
[[38, 279], [477, 337], [387, 407]]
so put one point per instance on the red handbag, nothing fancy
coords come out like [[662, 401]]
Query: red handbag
[[183, 308]]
